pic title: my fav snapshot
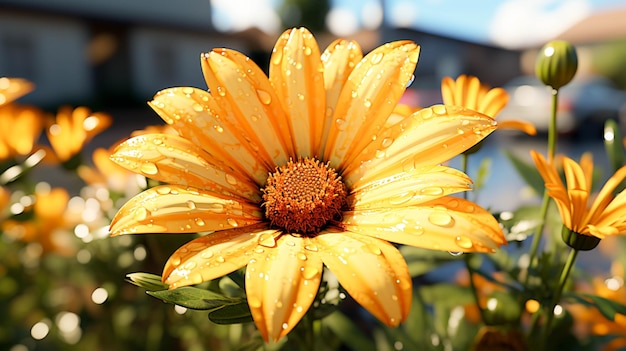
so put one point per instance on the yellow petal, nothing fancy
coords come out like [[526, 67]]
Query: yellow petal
[[426, 138], [605, 195], [523, 126], [614, 214], [281, 283], [13, 88], [493, 102], [554, 185], [173, 159], [196, 116], [214, 255], [176, 209], [339, 59], [447, 224], [409, 188], [248, 95], [577, 191], [368, 98], [372, 271], [296, 72]]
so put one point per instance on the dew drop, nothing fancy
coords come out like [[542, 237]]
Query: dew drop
[[355, 94], [367, 103], [232, 222], [199, 222], [197, 107], [149, 168], [410, 82], [441, 219], [302, 256], [432, 190], [307, 50], [141, 214], [220, 259], [464, 242], [285, 325], [221, 91], [267, 240], [187, 90], [254, 302], [380, 154], [190, 265], [230, 179], [308, 272], [191, 205], [387, 142], [311, 247], [376, 58], [264, 97], [455, 253], [164, 190], [206, 254]]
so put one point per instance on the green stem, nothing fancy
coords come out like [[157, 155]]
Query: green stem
[[552, 132], [468, 256], [569, 264]]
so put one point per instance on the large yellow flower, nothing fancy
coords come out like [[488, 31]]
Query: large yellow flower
[[607, 214], [298, 171], [469, 92]]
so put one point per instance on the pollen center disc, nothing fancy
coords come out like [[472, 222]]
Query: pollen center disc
[[302, 196]]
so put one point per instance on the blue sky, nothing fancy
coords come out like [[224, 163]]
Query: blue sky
[[509, 23]]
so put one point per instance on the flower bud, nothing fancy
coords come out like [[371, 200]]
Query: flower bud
[[557, 63], [579, 241], [150, 282]]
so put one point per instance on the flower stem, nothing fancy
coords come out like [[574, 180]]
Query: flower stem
[[468, 256], [569, 264], [552, 132]]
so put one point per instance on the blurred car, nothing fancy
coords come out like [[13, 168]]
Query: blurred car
[[584, 104]]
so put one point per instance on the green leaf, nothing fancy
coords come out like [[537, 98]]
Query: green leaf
[[607, 307], [194, 298], [348, 332], [238, 312], [527, 171], [147, 281]]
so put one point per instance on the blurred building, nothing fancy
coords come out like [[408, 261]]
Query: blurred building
[[112, 52]]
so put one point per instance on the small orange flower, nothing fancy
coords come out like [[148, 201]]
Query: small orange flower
[[73, 128], [469, 92], [298, 170], [13, 88], [605, 216], [21, 127]]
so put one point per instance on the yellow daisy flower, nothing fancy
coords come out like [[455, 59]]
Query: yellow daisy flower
[[607, 214], [297, 171], [13, 88], [469, 92], [73, 128]]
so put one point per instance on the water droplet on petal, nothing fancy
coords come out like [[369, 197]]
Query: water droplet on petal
[[441, 219], [307, 50], [302, 256], [191, 205], [432, 190], [199, 222], [285, 325], [411, 80], [308, 272], [267, 240], [376, 58], [141, 214], [232, 222], [149, 168], [264, 97], [311, 247], [206, 254], [230, 179], [418, 230], [455, 253], [464, 242], [254, 302], [190, 265], [220, 259]]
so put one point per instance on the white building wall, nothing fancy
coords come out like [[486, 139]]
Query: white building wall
[[52, 53]]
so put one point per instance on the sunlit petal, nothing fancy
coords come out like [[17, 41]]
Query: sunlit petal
[[426, 138], [522, 126], [214, 255], [296, 72], [368, 98], [176, 160], [448, 223], [197, 117], [176, 209], [372, 271], [605, 195], [409, 188], [282, 280], [252, 102]]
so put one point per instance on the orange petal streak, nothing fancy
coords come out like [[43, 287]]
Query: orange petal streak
[[282, 280], [175, 209], [372, 271]]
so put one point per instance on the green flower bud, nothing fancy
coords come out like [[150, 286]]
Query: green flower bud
[[557, 63], [150, 282], [579, 241]]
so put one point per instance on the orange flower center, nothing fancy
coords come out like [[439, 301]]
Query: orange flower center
[[301, 197]]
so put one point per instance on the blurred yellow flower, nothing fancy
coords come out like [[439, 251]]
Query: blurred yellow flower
[[469, 92], [13, 88], [48, 221], [108, 173], [21, 127], [607, 214], [73, 128], [341, 185]]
